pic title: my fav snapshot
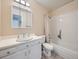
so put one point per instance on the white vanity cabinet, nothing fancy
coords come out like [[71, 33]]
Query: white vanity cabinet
[[26, 50], [18, 55], [35, 52], [16, 52]]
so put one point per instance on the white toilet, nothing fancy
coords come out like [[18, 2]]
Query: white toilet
[[47, 49]]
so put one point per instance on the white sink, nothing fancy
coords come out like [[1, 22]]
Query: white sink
[[26, 38]]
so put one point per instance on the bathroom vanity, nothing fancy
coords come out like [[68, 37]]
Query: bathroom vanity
[[31, 49]]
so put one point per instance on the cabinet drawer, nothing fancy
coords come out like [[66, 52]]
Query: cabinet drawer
[[6, 52], [12, 50]]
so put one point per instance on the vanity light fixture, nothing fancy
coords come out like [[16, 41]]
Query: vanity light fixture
[[23, 2], [17, 0]]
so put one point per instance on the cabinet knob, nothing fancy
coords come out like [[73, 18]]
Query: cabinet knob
[[27, 45], [8, 52]]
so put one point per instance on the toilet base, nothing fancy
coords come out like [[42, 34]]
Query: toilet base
[[47, 49]]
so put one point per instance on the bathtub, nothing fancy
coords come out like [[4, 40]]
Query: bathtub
[[65, 52]]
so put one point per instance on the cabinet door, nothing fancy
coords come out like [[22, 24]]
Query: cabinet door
[[35, 52], [18, 55]]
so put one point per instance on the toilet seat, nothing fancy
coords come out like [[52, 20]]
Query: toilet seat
[[48, 46]]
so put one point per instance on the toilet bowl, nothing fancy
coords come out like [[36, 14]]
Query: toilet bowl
[[47, 49]]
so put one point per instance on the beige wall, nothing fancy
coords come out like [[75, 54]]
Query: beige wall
[[38, 13], [68, 14], [70, 7], [0, 17]]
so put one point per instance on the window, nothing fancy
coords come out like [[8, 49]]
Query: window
[[23, 2]]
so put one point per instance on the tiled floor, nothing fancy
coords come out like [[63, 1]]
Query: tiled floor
[[55, 56]]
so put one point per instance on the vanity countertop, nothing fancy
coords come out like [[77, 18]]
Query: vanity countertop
[[7, 43]]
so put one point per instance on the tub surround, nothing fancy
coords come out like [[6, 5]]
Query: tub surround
[[67, 46]]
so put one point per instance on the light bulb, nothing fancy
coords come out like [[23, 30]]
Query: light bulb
[[17, 0], [27, 4], [23, 2]]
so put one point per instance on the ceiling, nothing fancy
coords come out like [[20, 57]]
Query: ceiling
[[53, 4]]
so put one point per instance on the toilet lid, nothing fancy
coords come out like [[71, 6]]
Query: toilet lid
[[48, 46]]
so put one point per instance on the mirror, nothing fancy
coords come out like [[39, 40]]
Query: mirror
[[21, 16]]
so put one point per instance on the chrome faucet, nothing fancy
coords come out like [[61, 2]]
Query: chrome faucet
[[21, 35], [24, 35], [17, 36]]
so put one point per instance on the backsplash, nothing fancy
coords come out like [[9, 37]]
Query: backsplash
[[8, 37]]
